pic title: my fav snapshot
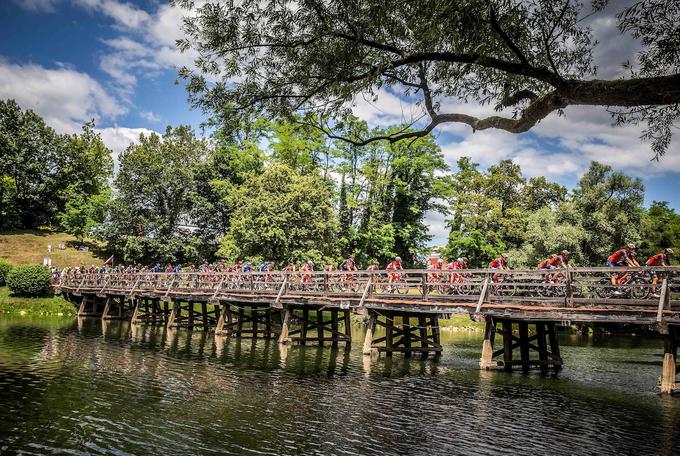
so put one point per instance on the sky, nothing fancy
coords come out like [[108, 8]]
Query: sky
[[115, 62]]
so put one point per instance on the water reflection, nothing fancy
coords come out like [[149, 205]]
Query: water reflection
[[85, 386]]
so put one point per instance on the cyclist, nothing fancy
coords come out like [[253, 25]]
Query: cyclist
[[556, 261], [307, 267], [660, 259], [247, 267], [622, 257], [348, 264], [374, 266], [438, 266], [499, 263], [394, 265]]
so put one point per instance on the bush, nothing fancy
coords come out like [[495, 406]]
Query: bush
[[32, 280], [5, 267]]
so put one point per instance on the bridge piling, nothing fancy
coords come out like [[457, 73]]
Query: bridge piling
[[405, 338], [667, 382]]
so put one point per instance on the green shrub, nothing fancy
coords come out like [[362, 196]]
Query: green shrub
[[5, 267], [31, 280]]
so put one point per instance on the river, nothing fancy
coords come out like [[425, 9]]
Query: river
[[83, 388]]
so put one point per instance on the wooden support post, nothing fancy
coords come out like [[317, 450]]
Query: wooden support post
[[190, 312], [303, 328], [81, 309], [389, 327], [255, 319], [135, 312], [348, 328], [422, 330], [667, 381], [524, 345], [268, 323], [406, 335], [166, 312], [107, 308], [334, 328], [220, 320], [554, 346], [507, 345], [283, 337], [320, 326], [542, 346], [664, 300], [239, 323], [368, 340], [569, 296], [204, 311], [173, 314], [436, 339], [486, 361]]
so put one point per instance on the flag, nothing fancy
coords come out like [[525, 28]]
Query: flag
[[109, 261]]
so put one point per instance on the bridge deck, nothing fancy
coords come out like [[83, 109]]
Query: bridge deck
[[580, 294]]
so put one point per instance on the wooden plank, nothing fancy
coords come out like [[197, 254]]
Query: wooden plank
[[368, 339]]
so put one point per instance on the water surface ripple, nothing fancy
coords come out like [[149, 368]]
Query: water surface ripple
[[76, 387]]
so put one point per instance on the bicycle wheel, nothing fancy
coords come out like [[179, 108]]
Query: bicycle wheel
[[602, 289], [638, 289]]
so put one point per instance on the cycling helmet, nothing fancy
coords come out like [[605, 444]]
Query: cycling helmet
[[465, 260], [505, 255], [565, 253], [440, 261], [459, 260], [630, 246], [397, 258], [668, 251], [310, 262]]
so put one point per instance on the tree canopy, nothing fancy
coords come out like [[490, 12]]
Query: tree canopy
[[533, 57]]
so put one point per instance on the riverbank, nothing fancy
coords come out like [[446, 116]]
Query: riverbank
[[17, 305]]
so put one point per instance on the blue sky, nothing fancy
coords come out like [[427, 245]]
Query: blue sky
[[115, 61]]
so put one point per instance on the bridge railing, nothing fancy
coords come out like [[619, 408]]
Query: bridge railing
[[571, 287]]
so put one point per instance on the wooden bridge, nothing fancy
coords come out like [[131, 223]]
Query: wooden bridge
[[520, 306]]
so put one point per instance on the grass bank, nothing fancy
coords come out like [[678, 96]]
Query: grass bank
[[30, 247], [17, 305]]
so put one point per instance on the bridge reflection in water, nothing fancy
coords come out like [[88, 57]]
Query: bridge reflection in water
[[521, 308]]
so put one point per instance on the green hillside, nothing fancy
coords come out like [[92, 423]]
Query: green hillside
[[30, 247]]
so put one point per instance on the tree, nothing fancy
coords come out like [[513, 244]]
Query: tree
[[84, 215], [533, 57], [291, 219], [155, 196], [28, 169], [660, 229], [609, 208]]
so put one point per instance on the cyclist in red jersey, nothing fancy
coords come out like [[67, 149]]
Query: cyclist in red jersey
[[556, 261], [438, 266], [499, 263], [307, 267], [660, 259], [394, 265], [622, 257]]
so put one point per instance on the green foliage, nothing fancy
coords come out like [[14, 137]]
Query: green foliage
[[29, 280], [609, 208], [478, 247], [41, 171], [282, 216], [85, 215], [156, 194], [5, 267], [660, 229]]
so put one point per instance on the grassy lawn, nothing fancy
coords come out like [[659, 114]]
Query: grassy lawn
[[55, 305], [30, 247]]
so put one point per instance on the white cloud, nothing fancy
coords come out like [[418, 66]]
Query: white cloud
[[125, 15], [65, 97], [119, 138], [150, 116]]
